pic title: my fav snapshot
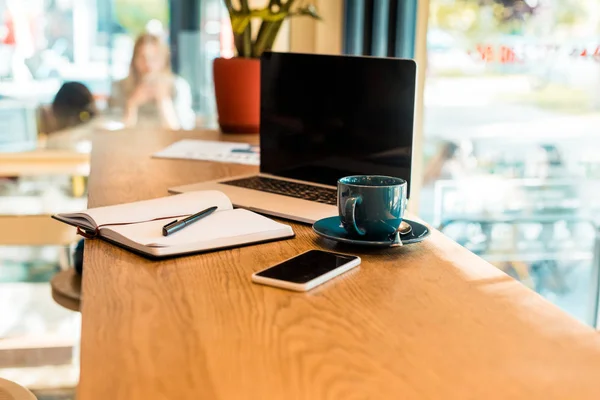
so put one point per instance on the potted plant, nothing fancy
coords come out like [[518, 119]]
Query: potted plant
[[237, 80]]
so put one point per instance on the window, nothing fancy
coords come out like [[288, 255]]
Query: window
[[512, 102]]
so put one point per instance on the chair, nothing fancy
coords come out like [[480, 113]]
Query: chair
[[66, 289], [11, 391]]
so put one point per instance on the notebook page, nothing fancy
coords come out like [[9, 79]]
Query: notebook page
[[180, 204], [218, 225]]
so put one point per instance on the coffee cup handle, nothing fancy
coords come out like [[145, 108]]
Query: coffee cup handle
[[350, 208]]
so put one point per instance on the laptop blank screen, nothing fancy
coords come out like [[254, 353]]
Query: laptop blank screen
[[326, 117]]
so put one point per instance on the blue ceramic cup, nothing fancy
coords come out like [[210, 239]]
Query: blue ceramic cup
[[371, 206]]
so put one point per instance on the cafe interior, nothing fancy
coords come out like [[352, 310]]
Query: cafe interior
[[491, 291]]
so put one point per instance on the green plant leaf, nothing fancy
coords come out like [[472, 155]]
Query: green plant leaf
[[309, 10], [266, 15], [239, 23], [266, 37]]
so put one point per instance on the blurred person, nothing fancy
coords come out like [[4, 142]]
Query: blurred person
[[66, 124], [19, 41], [560, 193], [452, 161], [73, 105], [545, 162], [152, 90]]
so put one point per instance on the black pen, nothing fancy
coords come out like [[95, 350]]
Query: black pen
[[176, 225]]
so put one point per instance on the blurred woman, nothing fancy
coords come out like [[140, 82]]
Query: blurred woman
[[151, 90]]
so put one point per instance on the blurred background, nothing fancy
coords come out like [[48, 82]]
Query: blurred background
[[512, 109], [46, 42], [507, 158]]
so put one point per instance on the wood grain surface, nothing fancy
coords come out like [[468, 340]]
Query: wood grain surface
[[425, 321]]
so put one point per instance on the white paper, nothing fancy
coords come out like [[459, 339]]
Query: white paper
[[180, 204], [209, 150], [219, 225]]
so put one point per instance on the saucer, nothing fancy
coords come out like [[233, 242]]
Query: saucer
[[331, 228]]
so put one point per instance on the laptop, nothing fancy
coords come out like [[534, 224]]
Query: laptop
[[322, 118]]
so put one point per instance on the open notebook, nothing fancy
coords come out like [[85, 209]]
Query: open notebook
[[226, 227]]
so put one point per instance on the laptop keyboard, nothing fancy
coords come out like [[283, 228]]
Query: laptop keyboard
[[292, 189]]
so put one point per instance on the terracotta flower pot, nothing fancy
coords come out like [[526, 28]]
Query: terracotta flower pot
[[237, 91]]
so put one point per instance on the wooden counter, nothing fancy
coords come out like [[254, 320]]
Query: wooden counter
[[425, 321]]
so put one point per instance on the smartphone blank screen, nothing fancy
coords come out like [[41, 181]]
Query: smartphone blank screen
[[306, 266]]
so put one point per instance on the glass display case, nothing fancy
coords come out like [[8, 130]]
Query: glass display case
[[542, 232]]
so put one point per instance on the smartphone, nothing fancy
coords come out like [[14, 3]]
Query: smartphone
[[306, 271]]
